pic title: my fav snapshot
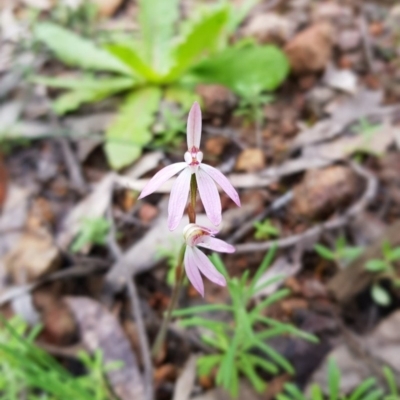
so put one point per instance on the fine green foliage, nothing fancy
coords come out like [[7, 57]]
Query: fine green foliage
[[342, 252], [384, 268], [265, 229], [366, 390], [167, 55], [252, 107], [240, 347], [26, 371], [93, 231]]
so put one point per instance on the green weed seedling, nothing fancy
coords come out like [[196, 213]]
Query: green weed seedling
[[265, 229], [159, 64], [93, 231], [240, 347], [384, 268], [367, 390], [342, 253], [26, 371]]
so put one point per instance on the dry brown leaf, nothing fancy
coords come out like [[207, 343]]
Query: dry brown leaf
[[250, 160], [99, 329], [356, 361], [34, 255]]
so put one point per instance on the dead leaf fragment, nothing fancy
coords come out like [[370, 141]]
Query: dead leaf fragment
[[100, 329], [216, 145], [356, 359], [34, 255], [250, 160], [310, 50], [269, 28], [217, 99]]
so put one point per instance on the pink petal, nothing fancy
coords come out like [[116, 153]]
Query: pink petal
[[192, 272], [217, 245], [209, 196], [222, 181], [160, 177], [207, 268], [193, 130], [178, 198]]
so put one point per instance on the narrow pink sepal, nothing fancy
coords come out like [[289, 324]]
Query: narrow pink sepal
[[160, 177], [222, 181], [217, 245], [207, 268], [193, 129], [178, 198], [192, 272], [209, 196]]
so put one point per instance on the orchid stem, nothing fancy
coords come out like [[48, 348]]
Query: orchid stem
[[167, 318], [179, 275]]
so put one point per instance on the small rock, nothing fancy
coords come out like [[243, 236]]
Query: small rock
[[147, 212], [317, 98], [217, 99], [310, 50], [322, 191], [269, 28], [215, 145], [250, 160], [349, 39], [341, 79]]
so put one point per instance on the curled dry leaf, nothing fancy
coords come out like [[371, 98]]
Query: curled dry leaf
[[99, 329]]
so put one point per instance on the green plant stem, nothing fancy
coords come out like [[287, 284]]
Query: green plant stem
[[167, 319]]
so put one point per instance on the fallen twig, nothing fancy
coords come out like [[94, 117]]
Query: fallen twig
[[136, 311], [316, 231], [73, 166], [278, 203]]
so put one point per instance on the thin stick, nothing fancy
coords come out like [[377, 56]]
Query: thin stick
[[317, 230], [136, 313]]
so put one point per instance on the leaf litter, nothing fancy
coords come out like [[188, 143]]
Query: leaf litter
[[353, 127]]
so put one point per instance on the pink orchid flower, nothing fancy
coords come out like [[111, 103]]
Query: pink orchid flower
[[196, 261], [206, 176]]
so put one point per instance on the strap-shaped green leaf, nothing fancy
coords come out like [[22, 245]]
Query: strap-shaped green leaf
[[246, 69], [84, 91], [201, 37], [157, 19], [130, 131], [76, 51], [130, 56]]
